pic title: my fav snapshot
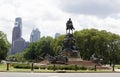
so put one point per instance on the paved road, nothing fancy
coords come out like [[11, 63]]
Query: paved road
[[16, 74]]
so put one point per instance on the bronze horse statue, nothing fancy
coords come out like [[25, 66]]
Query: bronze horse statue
[[69, 26]]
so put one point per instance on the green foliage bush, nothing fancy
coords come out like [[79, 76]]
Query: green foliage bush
[[24, 66], [51, 67], [67, 67], [82, 68], [4, 46], [42, 67], [91, 68], [118, 66]]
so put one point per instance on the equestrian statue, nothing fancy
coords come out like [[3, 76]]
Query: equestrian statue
[[69, 26]]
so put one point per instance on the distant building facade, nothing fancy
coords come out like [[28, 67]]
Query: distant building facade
[[57, 35], [35, 35], [17, 30], [18, 23], [18, 43]]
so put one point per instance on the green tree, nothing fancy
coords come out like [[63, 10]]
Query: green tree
[[39, 49], [16, 57], [92, 41], [30, 52], [114, 51], [57, 44], [44, 46], [4, 46]]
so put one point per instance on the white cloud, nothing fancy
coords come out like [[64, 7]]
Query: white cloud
[[50, 18], [101, 8]]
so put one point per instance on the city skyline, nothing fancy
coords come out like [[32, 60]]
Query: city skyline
[[50, 16]]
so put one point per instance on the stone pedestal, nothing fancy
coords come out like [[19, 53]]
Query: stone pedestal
[[69, 48]]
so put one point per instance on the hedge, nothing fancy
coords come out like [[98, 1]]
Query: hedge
[[24, 66], [51, 67], [69, 67]]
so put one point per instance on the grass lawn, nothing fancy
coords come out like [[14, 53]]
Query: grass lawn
[[3, 67]]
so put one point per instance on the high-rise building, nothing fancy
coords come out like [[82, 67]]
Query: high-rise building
[[18, 43], [15, 33], [17, 30], [18, 22], [35, 35], [57, 35]]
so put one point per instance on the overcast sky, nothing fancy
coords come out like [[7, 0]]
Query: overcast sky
[[50, 16]]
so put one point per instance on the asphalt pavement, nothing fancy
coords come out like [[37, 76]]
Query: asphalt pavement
[[18, 74]]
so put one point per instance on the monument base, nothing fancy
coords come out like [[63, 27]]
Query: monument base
[[72, 53], [75, 59]]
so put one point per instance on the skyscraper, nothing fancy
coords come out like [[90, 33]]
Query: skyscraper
[[35, 35], [15, 33], [18, 22], [17, 30], [18, 43]]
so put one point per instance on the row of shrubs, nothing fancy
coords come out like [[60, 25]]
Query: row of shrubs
[[68, 67], [117, 66], [52, 67], [24, 66]]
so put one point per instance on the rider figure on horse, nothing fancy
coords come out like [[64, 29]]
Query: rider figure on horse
[[69, 26]]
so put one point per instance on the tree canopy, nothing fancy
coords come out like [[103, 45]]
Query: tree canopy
[[92, 41], [4, 46], [39, 49]]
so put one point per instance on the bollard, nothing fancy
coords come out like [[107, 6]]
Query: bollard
[[113, 68], [95, 68], [54, 67], [75, 67], [8, 66], [32, 66]]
